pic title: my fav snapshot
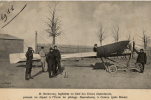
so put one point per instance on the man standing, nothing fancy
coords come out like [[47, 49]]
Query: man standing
[[29, 57], [57, 60], [95, 48], [50, 58], [43, 58], [142, 58]]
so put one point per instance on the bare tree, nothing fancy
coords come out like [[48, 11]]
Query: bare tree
[[129, 37], [145, 39], [116, 33], [53, 25], [101, 35]]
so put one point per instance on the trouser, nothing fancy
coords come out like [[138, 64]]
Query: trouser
[[28, 69], [142, 69], [43, 61], [58, 66], [51, 69]]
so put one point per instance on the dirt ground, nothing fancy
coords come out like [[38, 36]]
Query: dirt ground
[[76, 75]]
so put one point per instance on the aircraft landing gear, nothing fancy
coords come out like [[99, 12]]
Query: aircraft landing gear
[[139, 67], [112, 69]]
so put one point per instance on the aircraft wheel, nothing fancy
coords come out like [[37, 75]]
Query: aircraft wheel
[[139, 66], [112, 69]]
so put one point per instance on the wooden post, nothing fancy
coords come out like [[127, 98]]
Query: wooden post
[[36, 42], [133, 47]]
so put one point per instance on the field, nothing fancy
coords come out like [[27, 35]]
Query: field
[[77, 74], [66, 48]]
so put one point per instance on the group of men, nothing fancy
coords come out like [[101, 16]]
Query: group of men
[[53, 58]]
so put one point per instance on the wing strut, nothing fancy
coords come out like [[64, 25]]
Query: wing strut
[[106, 67]]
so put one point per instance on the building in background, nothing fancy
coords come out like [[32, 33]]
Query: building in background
[[10, 44]]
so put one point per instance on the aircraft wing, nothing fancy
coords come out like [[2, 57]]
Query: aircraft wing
[[20, 57], [78, 55], [110, 50]]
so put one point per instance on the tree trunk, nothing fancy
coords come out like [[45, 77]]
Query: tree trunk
[[54, 40], [36, 48], [101, 42]]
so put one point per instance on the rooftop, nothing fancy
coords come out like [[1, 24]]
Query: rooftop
[[8, 37]]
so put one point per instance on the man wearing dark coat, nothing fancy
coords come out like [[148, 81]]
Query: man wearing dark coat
[[29, 57], [95, 48], [50, 58], [142, 58], [57, 60]]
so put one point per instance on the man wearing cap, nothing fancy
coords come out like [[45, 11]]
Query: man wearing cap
[[57, 60], [50, 58], [95, 48], [142, 58], [43, 58], [29, 57]]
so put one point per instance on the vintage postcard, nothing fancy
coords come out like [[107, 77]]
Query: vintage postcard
[[75, 50]]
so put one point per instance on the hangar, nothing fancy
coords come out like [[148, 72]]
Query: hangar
[[10, 44]]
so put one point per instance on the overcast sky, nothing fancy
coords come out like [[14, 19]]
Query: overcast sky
[[79, 21]]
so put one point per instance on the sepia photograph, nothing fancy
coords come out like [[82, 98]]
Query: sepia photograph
[[75, 44]]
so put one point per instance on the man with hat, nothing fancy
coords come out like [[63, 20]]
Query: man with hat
[[142, 58], [95, 48], [29, 57], [57, 60], [50, 58], [43, 58]]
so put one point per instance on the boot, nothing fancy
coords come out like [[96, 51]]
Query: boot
[[43, 70], [26, 77], [50, 76], [30, 76]]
